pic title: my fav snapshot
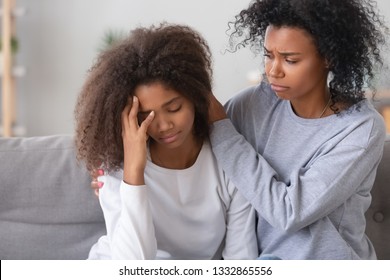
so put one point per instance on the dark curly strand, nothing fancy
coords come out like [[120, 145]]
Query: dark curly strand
[[348, 33], [174, 55]]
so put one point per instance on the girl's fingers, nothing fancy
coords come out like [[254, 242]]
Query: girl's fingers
[[134, 107], [129, 115], [133, 120], [146, 123], [130, 125], [125, 117]]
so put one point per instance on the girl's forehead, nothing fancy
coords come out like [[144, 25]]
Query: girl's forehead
[[156, 95]]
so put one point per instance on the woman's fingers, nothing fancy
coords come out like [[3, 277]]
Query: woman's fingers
[[96, 173], [95, 184], [216, 110], [97, 192]]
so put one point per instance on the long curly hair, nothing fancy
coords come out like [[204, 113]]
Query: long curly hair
[[175, 55], [347, 33]]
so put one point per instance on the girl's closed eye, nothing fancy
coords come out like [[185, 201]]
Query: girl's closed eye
[[174, 109]]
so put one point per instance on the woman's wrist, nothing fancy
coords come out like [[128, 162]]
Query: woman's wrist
[[216, 110]]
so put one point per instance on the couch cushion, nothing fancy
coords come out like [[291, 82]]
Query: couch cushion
[[47, 208], [378, 215]]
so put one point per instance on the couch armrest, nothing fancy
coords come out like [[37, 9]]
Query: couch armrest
[[378, 215]]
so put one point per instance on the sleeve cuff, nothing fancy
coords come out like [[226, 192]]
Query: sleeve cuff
[[128, 185]]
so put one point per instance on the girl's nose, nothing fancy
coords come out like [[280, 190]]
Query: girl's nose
[[163, 123]]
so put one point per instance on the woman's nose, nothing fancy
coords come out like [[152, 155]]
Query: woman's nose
[[275, 69]]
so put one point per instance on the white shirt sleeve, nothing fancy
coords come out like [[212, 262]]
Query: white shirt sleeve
[[130, 229], [241, 241]]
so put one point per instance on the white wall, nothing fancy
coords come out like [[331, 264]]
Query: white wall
[[59, 40]]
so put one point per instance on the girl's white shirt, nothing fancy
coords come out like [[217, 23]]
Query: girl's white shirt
[[193, 213]]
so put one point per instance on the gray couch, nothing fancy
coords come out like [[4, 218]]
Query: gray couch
[[48, 211]]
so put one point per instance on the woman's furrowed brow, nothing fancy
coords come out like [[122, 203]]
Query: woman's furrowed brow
[[283, 53]]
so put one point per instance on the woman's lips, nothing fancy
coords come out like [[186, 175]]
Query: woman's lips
[[278, 88]]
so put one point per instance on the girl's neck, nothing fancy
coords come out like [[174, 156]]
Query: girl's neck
[[176, 158]]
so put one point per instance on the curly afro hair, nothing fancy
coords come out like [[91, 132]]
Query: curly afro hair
[[347, 33], [174, 55]]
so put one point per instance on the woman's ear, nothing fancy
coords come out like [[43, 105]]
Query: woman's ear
[[326, 63]]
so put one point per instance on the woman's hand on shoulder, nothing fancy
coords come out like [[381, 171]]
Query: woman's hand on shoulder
[[95, 184], [216, 110]]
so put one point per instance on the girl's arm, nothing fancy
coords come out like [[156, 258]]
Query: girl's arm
[[125, 203], [128, 217], [240, 241], [134, 138]]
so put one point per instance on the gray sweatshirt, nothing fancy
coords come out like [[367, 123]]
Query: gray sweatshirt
[[308, 179]]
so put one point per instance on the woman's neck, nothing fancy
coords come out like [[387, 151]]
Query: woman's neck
[[176, 158], [314, 105]]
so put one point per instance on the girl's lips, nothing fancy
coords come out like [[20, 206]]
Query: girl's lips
[[278, 88], [169, 139]]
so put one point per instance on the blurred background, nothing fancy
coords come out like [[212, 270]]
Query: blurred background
[[54, 42]]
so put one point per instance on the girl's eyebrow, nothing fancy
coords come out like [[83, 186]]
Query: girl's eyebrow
[[284, 53], [171, 101], [166, 104]]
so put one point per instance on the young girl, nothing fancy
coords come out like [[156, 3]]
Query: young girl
[[142, 115], [304, 144]]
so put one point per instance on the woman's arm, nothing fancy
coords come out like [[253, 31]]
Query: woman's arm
[[312, 192]]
